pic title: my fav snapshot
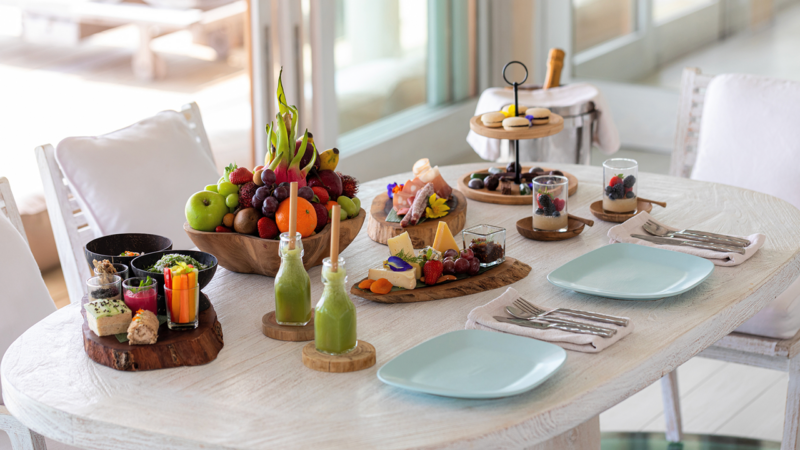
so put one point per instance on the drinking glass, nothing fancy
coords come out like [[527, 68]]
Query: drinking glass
[[550, 195], [182, 307], [104, 287], [122, 270], [620, 185], [144, 297], [487, 242]]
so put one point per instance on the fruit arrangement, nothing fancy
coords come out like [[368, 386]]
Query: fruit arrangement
[[425, 197], [496, 177], [619, 188], [547, 205], [257, 202]]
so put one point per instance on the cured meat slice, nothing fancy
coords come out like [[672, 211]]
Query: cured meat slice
[[418, 208]]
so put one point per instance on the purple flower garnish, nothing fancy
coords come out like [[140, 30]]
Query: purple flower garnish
[[398, 265], [390, 189]]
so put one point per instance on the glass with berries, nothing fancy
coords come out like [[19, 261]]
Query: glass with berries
[[620, 181], [550, 193]]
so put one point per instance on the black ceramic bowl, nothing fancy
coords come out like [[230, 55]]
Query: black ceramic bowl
[[111, 246], [140, 264]]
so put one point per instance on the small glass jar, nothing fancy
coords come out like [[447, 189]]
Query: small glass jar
[[104, 287], [138, 296], [620, 185], [335, 315], [292, 285], [122, 270], [487, 242], [182, 307], [550, 195]]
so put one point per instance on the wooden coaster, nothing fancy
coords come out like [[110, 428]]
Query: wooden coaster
[[574, 228], [496, 197], [422, 235], [360, 358], [273, 330], [597, 209]]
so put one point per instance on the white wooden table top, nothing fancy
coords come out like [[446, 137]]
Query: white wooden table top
[[258, 394]]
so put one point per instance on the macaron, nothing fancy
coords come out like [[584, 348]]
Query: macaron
[[515, 123], [538, 116], [508, 110], [493, 119]]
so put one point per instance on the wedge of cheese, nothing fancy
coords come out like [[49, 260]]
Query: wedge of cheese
[[444, 240], [402, 244], [406, 279]]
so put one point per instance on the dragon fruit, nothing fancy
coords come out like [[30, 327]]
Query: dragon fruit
[[283, 156]]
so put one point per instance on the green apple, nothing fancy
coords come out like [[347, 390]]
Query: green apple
[[211, 188], [205, 210], [232, 200], [227, 188]]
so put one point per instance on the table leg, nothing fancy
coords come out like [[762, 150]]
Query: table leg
[[585, 436], [147, 65]]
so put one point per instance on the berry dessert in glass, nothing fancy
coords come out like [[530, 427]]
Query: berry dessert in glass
[[550, 194], [621, 187]]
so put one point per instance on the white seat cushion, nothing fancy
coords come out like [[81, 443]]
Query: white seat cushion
[[749, 138], [138, 179]]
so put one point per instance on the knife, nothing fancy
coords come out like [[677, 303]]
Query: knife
[[597, 331], [688, 243]]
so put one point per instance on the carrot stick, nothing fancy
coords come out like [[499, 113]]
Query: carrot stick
[[176, 298], [192, 293], [184, 314]]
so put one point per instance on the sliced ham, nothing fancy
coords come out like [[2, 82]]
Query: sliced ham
[[405, 198]]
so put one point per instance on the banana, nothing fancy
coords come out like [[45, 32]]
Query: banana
[[329, 159]]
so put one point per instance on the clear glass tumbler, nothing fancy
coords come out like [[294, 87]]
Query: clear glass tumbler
[[122, 270], [620, 185], [104, 287], [487, 242], [137, 294], [550, 195], [182, 307]]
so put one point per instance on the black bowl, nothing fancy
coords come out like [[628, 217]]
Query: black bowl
[[109, 247], [140, 264]]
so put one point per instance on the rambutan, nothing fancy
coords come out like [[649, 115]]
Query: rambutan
[[349, 185], [246, 193]]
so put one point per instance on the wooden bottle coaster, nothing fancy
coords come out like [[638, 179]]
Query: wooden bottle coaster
[[273, 330], [597, 210], [360, 358], [575, 226]]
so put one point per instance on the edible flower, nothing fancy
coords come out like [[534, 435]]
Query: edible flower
[[397, 264], [437, 207], [393, 188]]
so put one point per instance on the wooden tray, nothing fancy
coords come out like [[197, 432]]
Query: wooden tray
[[510, 271], [422, 235], [251, 254], [487, 196], [597, 209], [555, 126], [525, 229], [173, 349]]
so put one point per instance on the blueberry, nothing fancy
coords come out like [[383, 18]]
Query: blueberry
[[619, 190], [539, 211], [612, 196], [629, 181], [629, 195], [556, 214]]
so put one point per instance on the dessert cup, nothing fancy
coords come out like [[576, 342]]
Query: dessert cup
[[620, 185], [550, 213]]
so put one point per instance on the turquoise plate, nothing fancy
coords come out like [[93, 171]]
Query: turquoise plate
[[632, 272], [474, 364]]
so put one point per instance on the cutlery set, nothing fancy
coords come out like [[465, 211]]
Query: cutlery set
[[661, 235], [525, 314]]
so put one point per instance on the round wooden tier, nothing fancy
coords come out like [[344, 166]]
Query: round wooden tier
[[555, 126], [173, 349], [597, 209], [525, 229], [487, 196], [273, 330], [380, 231], [360, 358]]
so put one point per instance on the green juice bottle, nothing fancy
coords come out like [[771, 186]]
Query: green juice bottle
[[335, 316], [292, 285]]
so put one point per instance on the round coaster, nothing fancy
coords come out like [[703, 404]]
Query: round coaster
[[525, 229], [361, 357], [272, 330], [597, 209]]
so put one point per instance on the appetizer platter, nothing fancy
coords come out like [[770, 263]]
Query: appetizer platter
[[415, 206], [442, 270], [495, 184]]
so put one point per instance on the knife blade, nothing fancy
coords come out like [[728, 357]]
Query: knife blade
[[543, 326], [689, 243]]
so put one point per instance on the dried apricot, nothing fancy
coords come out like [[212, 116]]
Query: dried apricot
[[381, 286], [365, 284], [444, 278]]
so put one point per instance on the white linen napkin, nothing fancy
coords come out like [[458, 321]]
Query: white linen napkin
[[481, 318], [493, 99], [623, 232]]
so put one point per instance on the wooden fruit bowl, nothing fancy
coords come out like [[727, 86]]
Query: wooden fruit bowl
[[251, 254]]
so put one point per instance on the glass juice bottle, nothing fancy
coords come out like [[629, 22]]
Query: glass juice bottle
[[292, 285], [335, 316]]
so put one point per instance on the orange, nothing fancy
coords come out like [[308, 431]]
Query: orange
[[330, 205], [306, 217]]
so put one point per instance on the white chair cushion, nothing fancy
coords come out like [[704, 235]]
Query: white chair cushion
[[749, 138], [24, 299], [138, 179]]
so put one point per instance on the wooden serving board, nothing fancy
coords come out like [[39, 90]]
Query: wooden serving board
[[250, 254], [487, 196], [555, 126], [380, 231], [597, 209], [173, 349], [510, 271]]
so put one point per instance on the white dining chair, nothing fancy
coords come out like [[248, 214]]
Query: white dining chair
[[124, 181], [741, 130]]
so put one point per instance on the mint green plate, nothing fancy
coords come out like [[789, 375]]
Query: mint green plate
[[474, 364], [632, 272]]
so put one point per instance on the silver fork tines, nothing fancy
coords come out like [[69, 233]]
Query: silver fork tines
[[525, 305], [658, 229]]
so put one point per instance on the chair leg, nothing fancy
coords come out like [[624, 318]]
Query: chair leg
[[791, 422], [21, 437], [672, 406]]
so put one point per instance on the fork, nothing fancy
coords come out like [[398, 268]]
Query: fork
[[661, 230], [520, 314], [534, 310]]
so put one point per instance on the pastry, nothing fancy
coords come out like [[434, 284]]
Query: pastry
[[539, 116], [106, 317], [493, 119], [516, 123], [143, 329]]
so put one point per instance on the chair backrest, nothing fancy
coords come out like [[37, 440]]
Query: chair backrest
[[690, 111], [72, 227], [9, 207]]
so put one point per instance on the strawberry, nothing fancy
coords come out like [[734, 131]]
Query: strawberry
[[432, 270], [241, 176], [246, 193], [267, 229], [221, 229], [322, 194], [615, 180]]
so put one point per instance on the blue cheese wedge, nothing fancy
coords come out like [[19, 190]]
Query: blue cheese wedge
[[406, 279], [106, 317]]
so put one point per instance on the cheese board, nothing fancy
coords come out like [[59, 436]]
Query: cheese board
[[485, 195], [422, 234]]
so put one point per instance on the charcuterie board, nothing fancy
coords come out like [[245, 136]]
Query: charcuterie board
[[487, 196], [380, 231]]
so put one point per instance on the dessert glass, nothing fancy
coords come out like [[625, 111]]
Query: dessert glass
[[122, 270], [550, 194], [144, 297], [182, 307], [487, 242], [104, 287], [620, 199]]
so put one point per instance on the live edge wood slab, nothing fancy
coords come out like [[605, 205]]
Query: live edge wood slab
[[422, 235], [173, 349], [510, 271]]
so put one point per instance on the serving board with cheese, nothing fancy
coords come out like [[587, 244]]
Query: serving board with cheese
[[380, 230]]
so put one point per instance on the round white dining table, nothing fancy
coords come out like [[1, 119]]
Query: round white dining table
[[258, 393]]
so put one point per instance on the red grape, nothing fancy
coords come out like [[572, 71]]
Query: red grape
[[451, 254], [268, 177], [306, 193], [449, 267], [474, 267], [281, 193], [467, 253], [270, 206], [461, 265]]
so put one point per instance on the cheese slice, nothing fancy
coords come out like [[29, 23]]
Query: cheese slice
[[444, 240], [401, 243], [406, 279]]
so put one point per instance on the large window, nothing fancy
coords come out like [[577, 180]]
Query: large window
[[599, 21]]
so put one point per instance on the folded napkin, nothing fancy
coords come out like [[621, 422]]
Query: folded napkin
[[493, 99], [623, 232], [481, 318]]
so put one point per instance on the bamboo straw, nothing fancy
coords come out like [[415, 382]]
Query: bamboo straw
[[292, 213], [335, 211]]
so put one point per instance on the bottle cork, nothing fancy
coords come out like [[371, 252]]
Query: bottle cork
[[555, 62]]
